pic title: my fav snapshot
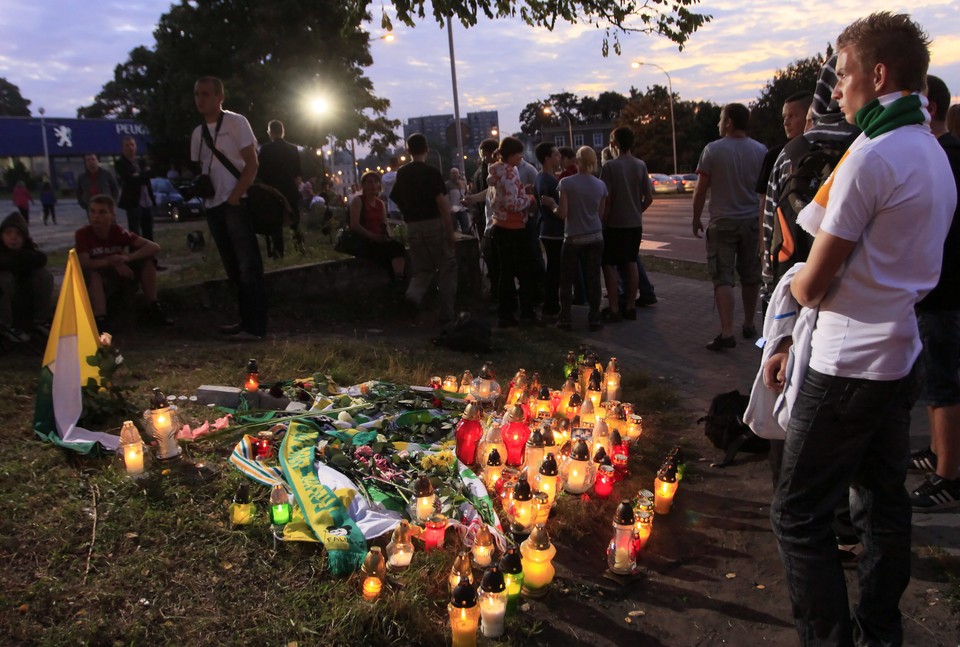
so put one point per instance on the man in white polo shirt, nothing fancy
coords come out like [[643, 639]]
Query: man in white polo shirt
[[879, 224]]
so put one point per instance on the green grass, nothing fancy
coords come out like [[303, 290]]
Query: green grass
[[164, 565]]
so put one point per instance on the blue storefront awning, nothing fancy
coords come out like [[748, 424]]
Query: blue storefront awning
[[23, 136]]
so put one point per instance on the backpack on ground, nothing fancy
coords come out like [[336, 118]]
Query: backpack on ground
[[724, 426], [811, 163]]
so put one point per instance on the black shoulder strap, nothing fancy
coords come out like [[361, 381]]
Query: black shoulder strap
[[211, 142]]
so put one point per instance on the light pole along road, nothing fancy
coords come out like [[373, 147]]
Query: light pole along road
[[673, 128]]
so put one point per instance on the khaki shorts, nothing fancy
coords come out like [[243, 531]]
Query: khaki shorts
[[733, 245]]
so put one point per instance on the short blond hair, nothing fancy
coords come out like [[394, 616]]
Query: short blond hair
[[586, 158]]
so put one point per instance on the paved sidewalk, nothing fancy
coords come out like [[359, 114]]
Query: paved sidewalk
[[668, 341]]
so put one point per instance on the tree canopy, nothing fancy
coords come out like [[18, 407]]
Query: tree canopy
[[12, 103], [273, 67], [766, 120], [672, 19]]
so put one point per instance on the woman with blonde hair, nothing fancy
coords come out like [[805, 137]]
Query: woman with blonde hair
[[583, 201]]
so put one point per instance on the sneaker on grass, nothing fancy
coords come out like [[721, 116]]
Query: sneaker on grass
[[936, 493]]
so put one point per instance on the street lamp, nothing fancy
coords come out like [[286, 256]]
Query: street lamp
[[46, 151], [673, 128], [456, 100], [548, 110]]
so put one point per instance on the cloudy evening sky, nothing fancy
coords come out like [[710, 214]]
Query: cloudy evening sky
[[60, 53]]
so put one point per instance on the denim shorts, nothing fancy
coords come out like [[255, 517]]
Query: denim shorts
[[940, 334], [733, 245]]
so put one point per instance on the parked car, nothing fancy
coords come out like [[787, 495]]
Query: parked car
[[664, 183], [688, 181], [170, 202]]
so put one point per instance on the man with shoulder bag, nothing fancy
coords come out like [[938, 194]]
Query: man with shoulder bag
[[225, 148]]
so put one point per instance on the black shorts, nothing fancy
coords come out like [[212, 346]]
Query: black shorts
[[621, 245]]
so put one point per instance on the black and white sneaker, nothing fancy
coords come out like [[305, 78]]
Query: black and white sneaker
[[923, 460], [936, 493]]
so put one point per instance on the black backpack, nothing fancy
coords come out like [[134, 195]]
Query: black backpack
[[810, 164], [724, 426]]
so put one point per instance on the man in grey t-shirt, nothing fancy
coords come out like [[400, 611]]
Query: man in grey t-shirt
[[630, 195], [729, 168]]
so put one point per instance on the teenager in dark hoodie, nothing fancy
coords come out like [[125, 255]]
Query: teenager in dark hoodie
[[26, 285]]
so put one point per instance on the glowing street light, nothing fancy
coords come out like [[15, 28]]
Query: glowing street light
[[673, 128], [547, 110]]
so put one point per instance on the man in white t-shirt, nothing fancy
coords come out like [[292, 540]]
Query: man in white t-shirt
[[230, 173], [879, 223]]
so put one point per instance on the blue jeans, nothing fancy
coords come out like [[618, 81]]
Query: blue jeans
[[232, 230], [846, 438], [574, 256]]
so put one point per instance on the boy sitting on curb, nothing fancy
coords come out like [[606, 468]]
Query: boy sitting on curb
[[112, 256]]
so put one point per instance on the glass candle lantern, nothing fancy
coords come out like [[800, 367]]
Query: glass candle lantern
[[543, 405], [518, 388], [466, 380], [485, 388], [634, 427], [600, 458], [621, 552], [588, 415], [461, 570], [162, 423], [242, 510], [505, 486], [574, 404], [515, 434], [511, 565], [601, 438], [436, 382], [665, 487], [543, 507], [424, 498], [131, 448], [468, 432], [561, 430], [587, 364], [533, 455], [566, 392], [620, 466], [400, 548], [493, 603], [537, 555], [434, 531], [604, 484], [450, 384], [594, 391], [263, 446], [616, 420], [534, 385], [611, 378], [643, 501], [374, 572], [522, 512], [482, 551], [280, 508], [546, 479], [579, 472], [492, 470], [252, 381], [492, 440], [546, 432], [464, 611], [570, 363], [678, 459], [643, 526]]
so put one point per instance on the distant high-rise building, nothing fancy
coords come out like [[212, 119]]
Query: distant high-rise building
[[440, 133]]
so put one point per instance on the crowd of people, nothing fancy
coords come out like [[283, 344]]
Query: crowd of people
[[859, 284]]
